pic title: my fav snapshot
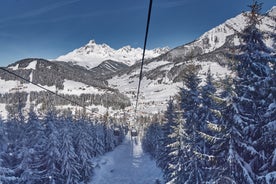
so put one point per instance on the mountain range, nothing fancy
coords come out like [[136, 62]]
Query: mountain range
[[92, 54], [105, 79]]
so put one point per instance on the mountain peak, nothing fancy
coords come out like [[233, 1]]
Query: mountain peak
[[92, 54], [162, 50], [92, 42], [272, 12], [127, 47]]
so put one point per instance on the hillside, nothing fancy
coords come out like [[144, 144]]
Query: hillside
[[163, 74], [104, 79], [72, 82]]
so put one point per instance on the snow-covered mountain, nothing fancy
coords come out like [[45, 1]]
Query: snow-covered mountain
[[164, 75], [272, 12], [98, 76], [72, 82], [92, 54]]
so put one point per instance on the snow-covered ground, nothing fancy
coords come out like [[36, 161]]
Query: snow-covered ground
[[127, 164]]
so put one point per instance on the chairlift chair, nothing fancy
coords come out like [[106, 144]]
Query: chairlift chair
[[134, 132], [116, 132]]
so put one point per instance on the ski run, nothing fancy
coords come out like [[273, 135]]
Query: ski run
[[127, 164]]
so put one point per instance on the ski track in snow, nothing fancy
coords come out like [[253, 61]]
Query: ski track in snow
[[126, 164]]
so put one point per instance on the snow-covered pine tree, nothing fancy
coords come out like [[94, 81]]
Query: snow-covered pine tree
[[193, 143], [70, 168], [50, 156], [230, 165], [109, 139], [269, 136], [172, 158], [34, 131], [32, 144], [13, 134], [167, 129], [99, 138], [210, 102], [152, 140], [253, 90], [7, 175], [210, 116], [14, 126], [26, 169], [97, 145], [3, 137], [84, 148]]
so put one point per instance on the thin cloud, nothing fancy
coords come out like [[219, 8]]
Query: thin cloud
[[94, 14], [39, 11], [57, 19], [74, 16]]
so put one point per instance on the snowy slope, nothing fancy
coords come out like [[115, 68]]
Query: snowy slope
[[127, 164], [163, 75], [272, 12], [31, 66], [224, 34], [92, 54], [155, 93], [101, 70], [70, 88], [74, 83]]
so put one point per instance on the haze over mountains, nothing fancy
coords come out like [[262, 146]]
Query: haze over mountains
[[100, 77]]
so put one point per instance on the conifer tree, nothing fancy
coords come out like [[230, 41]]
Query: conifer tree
[[3, 137], [7, 175], [174, 170], [50, 158], [84, 149], [32, 144], [99, 139], [253, 91], [210, 116], [69, 166], [231, 150], [193, 149], [167, 129]]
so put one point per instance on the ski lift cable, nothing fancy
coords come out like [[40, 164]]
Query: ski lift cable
[[52, 92], [73, 102], [143, 56]]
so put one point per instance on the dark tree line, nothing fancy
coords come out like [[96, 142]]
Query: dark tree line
[[222, 136], [46, 100]]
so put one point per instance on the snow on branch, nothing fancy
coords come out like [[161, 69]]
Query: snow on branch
[[214, 127], [209, 138], [202, 156]]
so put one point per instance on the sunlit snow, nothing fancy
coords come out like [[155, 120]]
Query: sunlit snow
[[92, 54]]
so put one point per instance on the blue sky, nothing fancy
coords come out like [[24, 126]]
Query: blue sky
[[50, 28]]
